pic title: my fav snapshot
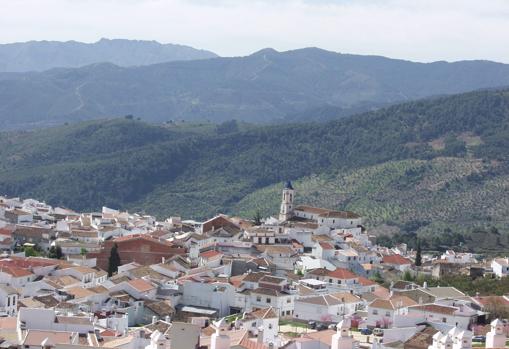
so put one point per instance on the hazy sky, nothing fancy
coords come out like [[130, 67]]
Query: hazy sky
[[420, 30]]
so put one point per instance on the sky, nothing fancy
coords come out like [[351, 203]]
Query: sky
[[418, 30]]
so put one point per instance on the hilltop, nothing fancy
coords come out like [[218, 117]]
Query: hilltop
[[45, 55], [302, 85]]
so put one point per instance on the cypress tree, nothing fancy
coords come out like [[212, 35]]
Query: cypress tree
[[113, 261], [418, 257]]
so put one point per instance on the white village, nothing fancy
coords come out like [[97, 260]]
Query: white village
[[308, 278]]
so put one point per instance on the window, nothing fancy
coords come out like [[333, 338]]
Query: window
[[258, 298], [8, 301], [375, 312], [253, 324], [270, 326], [330, 281], [339, 282], [387, 313], [268, 300], [444, 319], [288, 300]]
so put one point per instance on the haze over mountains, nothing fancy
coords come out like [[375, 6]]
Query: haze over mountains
[[267, 86], [44, 55]]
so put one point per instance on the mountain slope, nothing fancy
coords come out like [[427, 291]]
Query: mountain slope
[[44, 55], [265, 86], [428, 198], [432, 164]]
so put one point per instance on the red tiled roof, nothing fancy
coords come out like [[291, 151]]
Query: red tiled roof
[[141, 285], [30, 262], [326, 246], [396, 259], [435, 308], [492, 300], [210, 254], [366, 282], [342, 273], [15, 271], [141, 237], [5, 231]]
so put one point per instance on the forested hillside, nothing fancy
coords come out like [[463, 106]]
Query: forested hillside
[[302, 85], [432, 166]]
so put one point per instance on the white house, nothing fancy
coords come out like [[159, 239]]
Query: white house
[[383, 312], [282, 301], [460, 316], [500, 266], [216, 295], [397, 261], [15, 277], [262, 323], [89, 277], [337, 279], [455, 257], [327, 308], [47, 319], [8, 300]]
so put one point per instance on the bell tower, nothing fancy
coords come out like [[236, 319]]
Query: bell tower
[[286, 211]]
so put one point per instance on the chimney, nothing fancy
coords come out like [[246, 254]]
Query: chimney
[[154, 319]]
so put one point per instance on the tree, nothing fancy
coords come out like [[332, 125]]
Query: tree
[[418, 257], [407, 276], [83, 251], [30, 251], [55, 252], [257, 219], [113, 261]]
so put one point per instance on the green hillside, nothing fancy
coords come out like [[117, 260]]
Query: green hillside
[[425, 166], [431, 198]]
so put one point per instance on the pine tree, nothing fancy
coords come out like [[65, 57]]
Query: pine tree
[[113, 261], [418, 257]]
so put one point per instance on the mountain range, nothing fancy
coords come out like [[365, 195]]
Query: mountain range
[[45, 55], [267, 86], [437, 168]]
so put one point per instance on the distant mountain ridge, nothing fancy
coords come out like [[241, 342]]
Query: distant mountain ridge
[[45, 55], [266, 86]]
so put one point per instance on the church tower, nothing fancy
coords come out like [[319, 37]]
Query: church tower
[[286, 211]]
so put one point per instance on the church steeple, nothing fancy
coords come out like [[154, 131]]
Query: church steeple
[[286, 210]]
